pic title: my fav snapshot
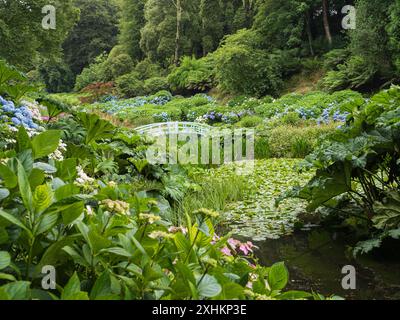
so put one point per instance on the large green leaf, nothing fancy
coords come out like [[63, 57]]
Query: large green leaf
[[8, 73], [23, 140], [5, 259], [16, 290], [97, 241], [72, 291], [7, 277], [66, 191], [8, 176], [54, 108], [103, 288], [42, 198], [66, 170], [96, 128], [3, 235], [10, 218], [208, 286], [25, 188], [72, 212], [47, 222], [278, 276], [54, 253], [45, 143], [327, 185], [36, 178], [45, 167]]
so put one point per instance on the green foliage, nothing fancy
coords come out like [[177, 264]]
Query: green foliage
[[155, 84], [370, 39], [129, 85], [120, 65], [193, 75], [95, 72], [393, 30], [132, 21], [24, 41], [361, 161], [250, 122], [85, 42], [287, 141], [56, 75], [146, 70], [12, 82], [243, 68], [281, 22], [95, 127], [119, 247], [354, 73]]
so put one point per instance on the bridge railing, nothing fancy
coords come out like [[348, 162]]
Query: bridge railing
[[156, 129]]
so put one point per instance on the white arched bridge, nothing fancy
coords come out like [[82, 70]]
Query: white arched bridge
[[174, 128]]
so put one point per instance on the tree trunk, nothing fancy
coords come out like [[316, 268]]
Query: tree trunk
[[309, 33], [178, 30], [326, 21]]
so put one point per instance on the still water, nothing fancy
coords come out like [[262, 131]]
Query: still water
[[315, 260]]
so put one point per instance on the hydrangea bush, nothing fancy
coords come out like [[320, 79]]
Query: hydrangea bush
[[19, 115]]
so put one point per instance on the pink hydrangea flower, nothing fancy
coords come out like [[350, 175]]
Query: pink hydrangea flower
[[234, 243], [226, 251], [246, 248]]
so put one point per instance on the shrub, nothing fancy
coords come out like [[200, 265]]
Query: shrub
[[57, 76], [354, 74], [146, 70], [261, 147], [97, 91], [311, 65], [155, 84], [250, 122], [96, 72], [301, 147], [291, 118], [120, 65], [334, 58], [243, 68], [360, 162], [288, 141], [193, 75], [129, 85]]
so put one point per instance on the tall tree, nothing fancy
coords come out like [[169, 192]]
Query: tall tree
[[172, 29], [24, 41], [327, 28], [132, 21], [179, 12], [95, 33], [281, 22], [370, 40], [211, 13]]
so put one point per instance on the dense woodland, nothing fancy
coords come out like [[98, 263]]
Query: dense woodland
[[316, 82], [129, 42]]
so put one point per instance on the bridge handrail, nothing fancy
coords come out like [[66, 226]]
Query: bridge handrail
[[164, 126]]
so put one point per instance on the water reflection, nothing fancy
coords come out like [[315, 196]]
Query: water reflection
[[315, 260]]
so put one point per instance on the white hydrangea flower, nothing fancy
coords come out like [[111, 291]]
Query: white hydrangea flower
[[83, 178], [58, 154], [35, 108]]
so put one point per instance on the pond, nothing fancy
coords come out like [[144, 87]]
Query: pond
[[315, 260], [313, 254]]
